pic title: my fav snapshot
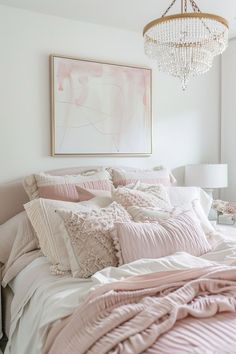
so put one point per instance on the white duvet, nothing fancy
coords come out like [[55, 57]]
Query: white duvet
[[41, 298]]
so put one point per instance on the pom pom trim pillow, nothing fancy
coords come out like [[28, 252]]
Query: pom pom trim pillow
[[122, 177], [89, 244], [181, 233], [64, 187]]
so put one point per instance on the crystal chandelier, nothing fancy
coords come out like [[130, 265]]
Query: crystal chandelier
[[185, 44]]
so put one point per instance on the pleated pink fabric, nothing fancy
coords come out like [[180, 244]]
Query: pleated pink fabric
[[180, 233], [155, 313]]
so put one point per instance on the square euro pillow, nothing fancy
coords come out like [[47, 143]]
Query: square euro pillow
[[89, 244], [149, 196], [64, 187], [121, 177], [50, 228], [182, 196], [181, 233]]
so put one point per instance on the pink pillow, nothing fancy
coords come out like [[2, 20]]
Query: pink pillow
[[181, 233], [122, 177], [64, 187], [64, 192], [87, 194]]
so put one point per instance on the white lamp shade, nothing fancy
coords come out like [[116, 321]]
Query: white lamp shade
[[208, 176]]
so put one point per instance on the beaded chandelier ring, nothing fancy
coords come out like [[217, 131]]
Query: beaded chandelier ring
[[185, 44]]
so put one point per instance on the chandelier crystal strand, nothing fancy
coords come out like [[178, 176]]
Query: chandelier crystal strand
[[184, 45]]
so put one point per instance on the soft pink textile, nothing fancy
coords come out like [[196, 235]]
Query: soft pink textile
[[125, 182], [121, 177], [154, 240], [69, 192], [131, 316], [84, 194], [64, 192]]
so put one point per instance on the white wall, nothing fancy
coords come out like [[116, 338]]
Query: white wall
[[228, 137], [186, 125]]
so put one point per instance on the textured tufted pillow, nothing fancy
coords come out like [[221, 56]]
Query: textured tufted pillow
[[89, 244], [154, 196]]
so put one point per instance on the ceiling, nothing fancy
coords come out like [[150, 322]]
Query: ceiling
[[126, 14]]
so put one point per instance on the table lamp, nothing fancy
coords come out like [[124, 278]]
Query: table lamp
[[207, 176]]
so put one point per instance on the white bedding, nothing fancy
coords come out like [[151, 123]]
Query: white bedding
[[41, 298]]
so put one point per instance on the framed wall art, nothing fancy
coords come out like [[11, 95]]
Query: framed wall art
[[100, 108]]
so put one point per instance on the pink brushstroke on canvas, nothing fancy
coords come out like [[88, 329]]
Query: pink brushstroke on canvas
[[112, 99]]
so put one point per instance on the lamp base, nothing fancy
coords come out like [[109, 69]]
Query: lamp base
[[209, 192]]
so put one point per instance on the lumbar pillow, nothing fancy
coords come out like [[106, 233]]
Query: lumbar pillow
[[153, 214], [89, 244], [180, 233]]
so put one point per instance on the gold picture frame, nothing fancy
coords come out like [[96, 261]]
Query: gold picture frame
[[109, 103]]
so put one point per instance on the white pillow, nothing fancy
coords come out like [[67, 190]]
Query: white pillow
[[180, 196], [50, 227]]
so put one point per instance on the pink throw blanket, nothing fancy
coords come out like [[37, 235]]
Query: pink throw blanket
[[131, 315]]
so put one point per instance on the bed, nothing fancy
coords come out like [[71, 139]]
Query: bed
[[41, 308]]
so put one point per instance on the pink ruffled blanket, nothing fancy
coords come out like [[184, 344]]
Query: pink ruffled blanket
[[130, 316]]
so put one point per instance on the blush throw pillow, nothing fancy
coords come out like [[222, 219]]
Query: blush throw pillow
[[181, 233], [121, 177], [151, 214], [89, 244], [87, 194], [152, 196], [64, 187]]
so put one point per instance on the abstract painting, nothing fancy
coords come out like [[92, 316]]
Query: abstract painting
[[100, 108]]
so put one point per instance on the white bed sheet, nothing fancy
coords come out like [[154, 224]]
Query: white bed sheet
[[41, 298]]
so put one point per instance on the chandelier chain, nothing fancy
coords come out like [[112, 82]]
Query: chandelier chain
[[185, 6], [167, 10], [194, 6]]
